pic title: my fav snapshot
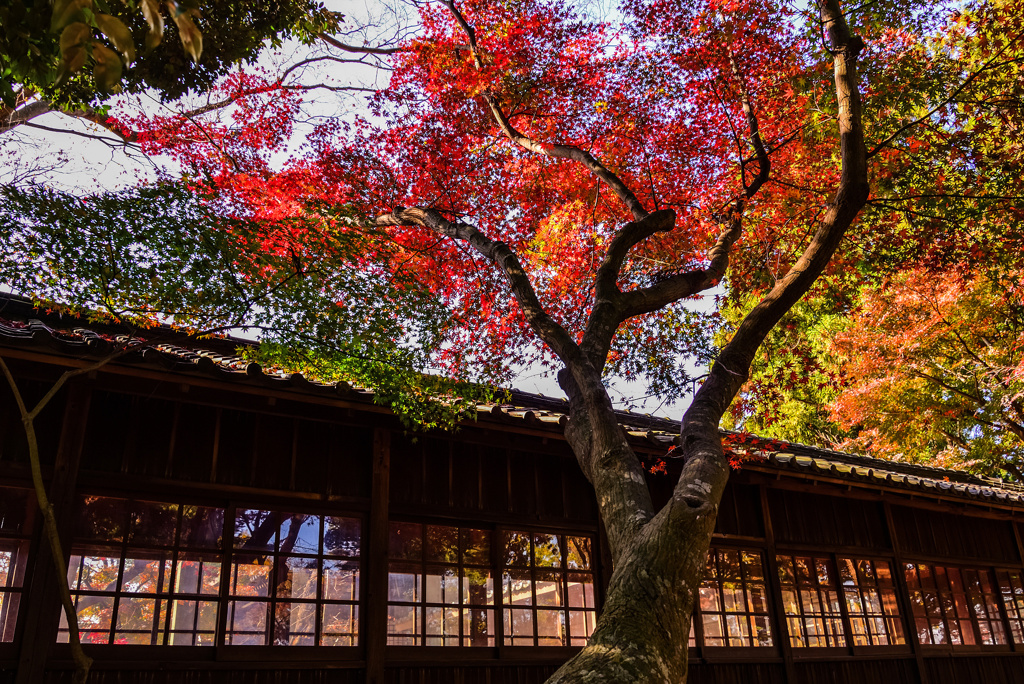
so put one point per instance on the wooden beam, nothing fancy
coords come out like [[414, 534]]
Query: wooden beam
[[40, 605], [777, 616], [903, 596], [376, 558]]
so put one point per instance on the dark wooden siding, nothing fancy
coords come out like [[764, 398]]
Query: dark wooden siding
[[740, 511], [816, 519], [945, 535], [439, 476], [890, 671], [1008, 669], [13, 442], [736, 673]]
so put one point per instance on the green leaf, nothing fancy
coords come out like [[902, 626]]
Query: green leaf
[[107, 70], [67, 11], [118, 34]]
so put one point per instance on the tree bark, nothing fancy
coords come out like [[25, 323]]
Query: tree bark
[[643, 630]]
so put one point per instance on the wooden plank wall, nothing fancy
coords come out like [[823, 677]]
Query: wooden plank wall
[[145, 436]]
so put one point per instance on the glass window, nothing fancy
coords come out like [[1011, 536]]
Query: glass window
[[144, 572], [294, 580], [733, 603], [871, 602], [17, 511], [547, 589], [159, 585], [956, 606], [1011, 587], [810, 600], [440, 586]]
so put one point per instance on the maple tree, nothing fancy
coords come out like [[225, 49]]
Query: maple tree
[[935, 371], [563, 186]]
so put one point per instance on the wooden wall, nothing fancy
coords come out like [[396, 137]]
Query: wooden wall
[[147, 436]]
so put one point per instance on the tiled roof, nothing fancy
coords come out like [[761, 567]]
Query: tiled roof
[[216, 358]]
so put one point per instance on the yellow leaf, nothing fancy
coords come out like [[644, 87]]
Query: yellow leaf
[[118, 34], [107, 69], [191, 38], [151, 11], [71, 37]]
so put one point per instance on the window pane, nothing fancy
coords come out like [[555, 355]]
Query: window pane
[[518, 627], [442, 544], [478, 627], [549, 589], [549, 627], [299, 533], [251, 577], [197, 574], [255, 529], [340, 580], [147, 575], [295, 624], [547, 551], [478, 587], [403, 625], [340, 625], [581, 591], [247, 623], [733, 609], [341, 536], [442, 585], [810, 601], [8, 614], [476, 547], [101, 518], [152, 523], [442, 626], [404, 583], [406, 541], [517, 549], [297, 577], [518, 588], [578, 553], [201, 527]]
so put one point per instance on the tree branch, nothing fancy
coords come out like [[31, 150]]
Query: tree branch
[[555, 151]]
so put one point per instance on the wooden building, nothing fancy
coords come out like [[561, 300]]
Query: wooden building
[[226, 524]]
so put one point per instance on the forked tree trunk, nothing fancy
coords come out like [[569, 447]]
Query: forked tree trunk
[[659, 557]]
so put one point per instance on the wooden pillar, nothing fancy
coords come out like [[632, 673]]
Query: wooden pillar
[[778, 615], [903, 594], [40, 608], [376, 572]]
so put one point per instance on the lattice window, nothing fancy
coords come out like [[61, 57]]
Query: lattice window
[[150, 573], [957, 606], [810, 599], [547, 589], [294, 580], [1011, 586], [871, 602], [440, 586], [17, 510], [733, 603], [145, 572]]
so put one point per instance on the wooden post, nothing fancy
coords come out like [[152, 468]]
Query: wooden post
[[778, 616], [906, 610], [376, 556], [40, 606]]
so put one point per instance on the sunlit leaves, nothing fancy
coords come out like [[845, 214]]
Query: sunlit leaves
[[328, 295]]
